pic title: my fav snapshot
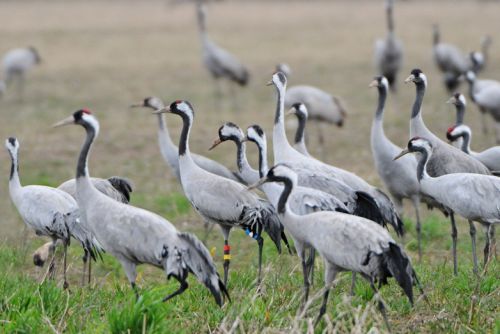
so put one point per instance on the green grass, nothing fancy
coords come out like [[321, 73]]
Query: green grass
[[457, 304]]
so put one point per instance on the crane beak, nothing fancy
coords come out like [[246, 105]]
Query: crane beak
[[410, 78], [403, 152], [374, 83], [258, 183], [290, 111], [269, 83], [138, 105], [216, 142], [245, 139], [161, 111], [66, 121], [451, 100]]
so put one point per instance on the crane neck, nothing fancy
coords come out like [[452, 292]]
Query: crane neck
[[263, 166], [283, 206], [417, 105], [425, 155], [382, 97], [82, 166], [14, 181], [466, 138], [280, 141], [241, 155], [301, 128], [390, 19], [471, 89], [435, 36], [187, 123], [460, 112]]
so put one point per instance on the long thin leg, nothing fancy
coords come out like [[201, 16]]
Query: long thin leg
[[381, 305], [227, 252], [85, 258], [260, 242], [310, 265], [134, 287], [90, 272], [305, 273], [353, 283], [472, 232], [416, 205], [454, 239], [493, 240], [330, 274], [184, 285], [65, 284], [489, 248], [208, 228], [131, 272]]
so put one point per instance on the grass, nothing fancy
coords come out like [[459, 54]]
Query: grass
[[135, 49]]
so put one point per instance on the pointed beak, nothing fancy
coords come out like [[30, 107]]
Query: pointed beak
[[374, 83], [410, 78], [269, 83], [245, 139], [258, 183], [161, 111], [138, 105], [66, 121], [403, 152], [215, 143], [451, 100], [290, 111]]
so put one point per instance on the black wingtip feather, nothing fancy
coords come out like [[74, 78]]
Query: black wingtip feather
[[366, 207], [400, 268]]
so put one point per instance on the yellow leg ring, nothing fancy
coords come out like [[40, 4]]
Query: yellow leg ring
[[227, 257]]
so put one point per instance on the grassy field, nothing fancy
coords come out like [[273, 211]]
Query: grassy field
[[105, 55]]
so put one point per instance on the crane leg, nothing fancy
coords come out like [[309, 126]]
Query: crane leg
[[416, 205], [184, 285], [454, 240], [381, 305], [90, 272], [306, 276], [489, 248], [260, 242], [227, 260], [65, 284], [310, 265], [85, 258], [208, 228], [472, 231], [330, 274]]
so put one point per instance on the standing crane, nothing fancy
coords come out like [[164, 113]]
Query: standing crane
[[398, 176], [345, 242], [446, 158], [48, 211], [316, 174], [222, 201], [389, 51], [15, 64], [136, 236], [482, 192], [219, 62]]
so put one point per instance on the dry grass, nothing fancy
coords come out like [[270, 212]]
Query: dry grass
[[106, 55]]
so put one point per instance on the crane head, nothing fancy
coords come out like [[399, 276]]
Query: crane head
[[152, 102], [458, 100], [228, 131], [380, 82], [417, 76], [12, 145]]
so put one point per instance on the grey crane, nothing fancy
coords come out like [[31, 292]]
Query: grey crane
[[304, 200], [345, 242], [136, 236], [489, 157], [473, 196], [398, 176], [479, 59], [48, 211], [15, 64], [486, 95], [316, 174], [446, 158], [220, 200], [170, 151], [219, 62], [115, 187], [450, 60], [300, 110], [388, 53]]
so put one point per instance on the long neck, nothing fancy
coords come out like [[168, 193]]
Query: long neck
[[460, 113], [202, 26], [417, 105], [241, 158], [466, 137], [390, 20], [471, 90], [382, 96], [14, 181], [263, 167], [299, 134], [280, 142], [485, 46], [436, 36], [184, 139], [82, 170], [422, 165], [283, 201]]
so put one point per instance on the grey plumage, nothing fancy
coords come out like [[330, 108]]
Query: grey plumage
[[316, 174], [388, 54], [169, 150], [219, 62], [222, 201], [15, 64], [345, 242], [473, 196], [446, 158], [136, 236], [398, 176], [115, 187]]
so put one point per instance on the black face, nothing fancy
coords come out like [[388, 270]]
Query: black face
[[146, 102], [416, 72], [296, 106], [12, 141], [450, 137]]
